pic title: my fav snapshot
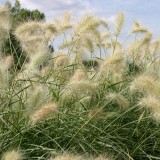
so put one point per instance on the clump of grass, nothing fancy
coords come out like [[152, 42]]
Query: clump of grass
[[56, 104]]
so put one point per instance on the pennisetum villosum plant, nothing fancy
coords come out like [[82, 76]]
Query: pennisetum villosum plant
[[56, 104]]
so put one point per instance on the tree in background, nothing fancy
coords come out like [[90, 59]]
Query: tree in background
[[11, 45]]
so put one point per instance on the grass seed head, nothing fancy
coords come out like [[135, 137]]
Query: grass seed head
[[145, 84], [5, 20], [8, 60], [36, 97], [119, 23], [44, 112], [103, 158], [13, 155], [78, 90], [152, 104], [156, 116], [28, 29], [112, 64], [95, 113], [78, 75], [61, 61], [119, 99], [67, 157], [37, 60], [138, 29]]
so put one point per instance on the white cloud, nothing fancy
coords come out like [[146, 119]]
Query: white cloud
[[56, 8]]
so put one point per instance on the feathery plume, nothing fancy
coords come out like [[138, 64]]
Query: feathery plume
[[154, 47], [118, 99], [145, 84], [82, 86], [5, 21], [135, 48], [36, 97], [115, 59], [61, 61], [78, 75], [33, 44], [47, 70], [34, 36], [119, 23], [111, 64], [43, 112], [8, 62], [138, 29], [50, 31], [103, 158], [27, 29], [78, 89], [37, 60], [156, 116], [4, 76], [88, 23], [150, 102], [5, 25], [138, 47], [63, 24], [66, 157], [95, 113], [153, 105], [147, 38], [13, 155], [116, 45], [82, 39], [88, 44]]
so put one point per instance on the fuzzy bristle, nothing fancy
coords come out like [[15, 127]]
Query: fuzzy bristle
[[145, 84], [119, 23], [5, 20], [102, 158], [44, 112], [13, 155], [78, 75], [61, 61], [66, 157], [119, 99], [8, 61], [138, 29], [95, 113], [153, 104]]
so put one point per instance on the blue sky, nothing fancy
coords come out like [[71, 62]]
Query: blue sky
[[146, 11]]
